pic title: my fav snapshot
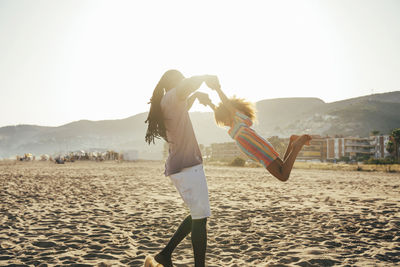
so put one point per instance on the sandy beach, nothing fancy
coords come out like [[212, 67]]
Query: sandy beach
[[115, 214]]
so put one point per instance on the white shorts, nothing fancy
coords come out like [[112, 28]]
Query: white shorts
[[192, 186]]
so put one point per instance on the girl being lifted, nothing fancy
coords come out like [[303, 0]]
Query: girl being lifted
[[238, 114]]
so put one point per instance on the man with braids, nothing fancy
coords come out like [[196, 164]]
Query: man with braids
[[169, 119]]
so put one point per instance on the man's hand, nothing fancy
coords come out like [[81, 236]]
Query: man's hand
[[212, 82], [203, 98]]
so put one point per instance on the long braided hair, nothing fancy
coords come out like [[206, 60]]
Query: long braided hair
[[155, 119]]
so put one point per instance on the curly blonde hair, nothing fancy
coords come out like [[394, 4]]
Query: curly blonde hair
[[240, 104]]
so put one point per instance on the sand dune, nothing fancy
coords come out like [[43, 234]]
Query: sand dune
[[117, 213]]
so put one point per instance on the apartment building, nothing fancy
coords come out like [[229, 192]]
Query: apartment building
[[380, 143], [359, 147], [354, 147], [317, 150]]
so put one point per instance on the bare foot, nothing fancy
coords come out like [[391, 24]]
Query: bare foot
[[164, 260], [295, 137], [301, 141]]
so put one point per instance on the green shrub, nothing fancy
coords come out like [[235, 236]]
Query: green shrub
[[379, 161], [238, 162]]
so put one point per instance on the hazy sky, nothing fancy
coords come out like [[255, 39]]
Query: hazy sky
[[62, 61]]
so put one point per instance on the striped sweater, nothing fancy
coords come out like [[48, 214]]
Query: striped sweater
[[249, 142]]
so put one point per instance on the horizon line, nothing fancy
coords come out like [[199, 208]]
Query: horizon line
[[102, 120]]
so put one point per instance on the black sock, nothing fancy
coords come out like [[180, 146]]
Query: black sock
[[183, 230], [199, 241]]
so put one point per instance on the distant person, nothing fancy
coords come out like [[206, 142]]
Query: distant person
[[239, 114], [169, 119]]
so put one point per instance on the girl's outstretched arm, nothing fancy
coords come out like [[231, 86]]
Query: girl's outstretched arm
[[225, 100], [212, 106]]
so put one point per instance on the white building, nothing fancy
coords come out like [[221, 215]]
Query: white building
[[380, 143], [352, 147]]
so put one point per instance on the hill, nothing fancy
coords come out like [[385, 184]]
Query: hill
[[282, 117], [351, 117]]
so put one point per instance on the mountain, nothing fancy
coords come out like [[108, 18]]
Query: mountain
[[351, 117], [119, 135], [282, 117]]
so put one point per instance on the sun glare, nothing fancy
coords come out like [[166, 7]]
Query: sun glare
[[112, 54]]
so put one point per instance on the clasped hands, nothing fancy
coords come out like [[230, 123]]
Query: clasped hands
[[213, 83], [203, 98]]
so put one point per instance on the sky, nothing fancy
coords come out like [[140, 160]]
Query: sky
[[62, 61]]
